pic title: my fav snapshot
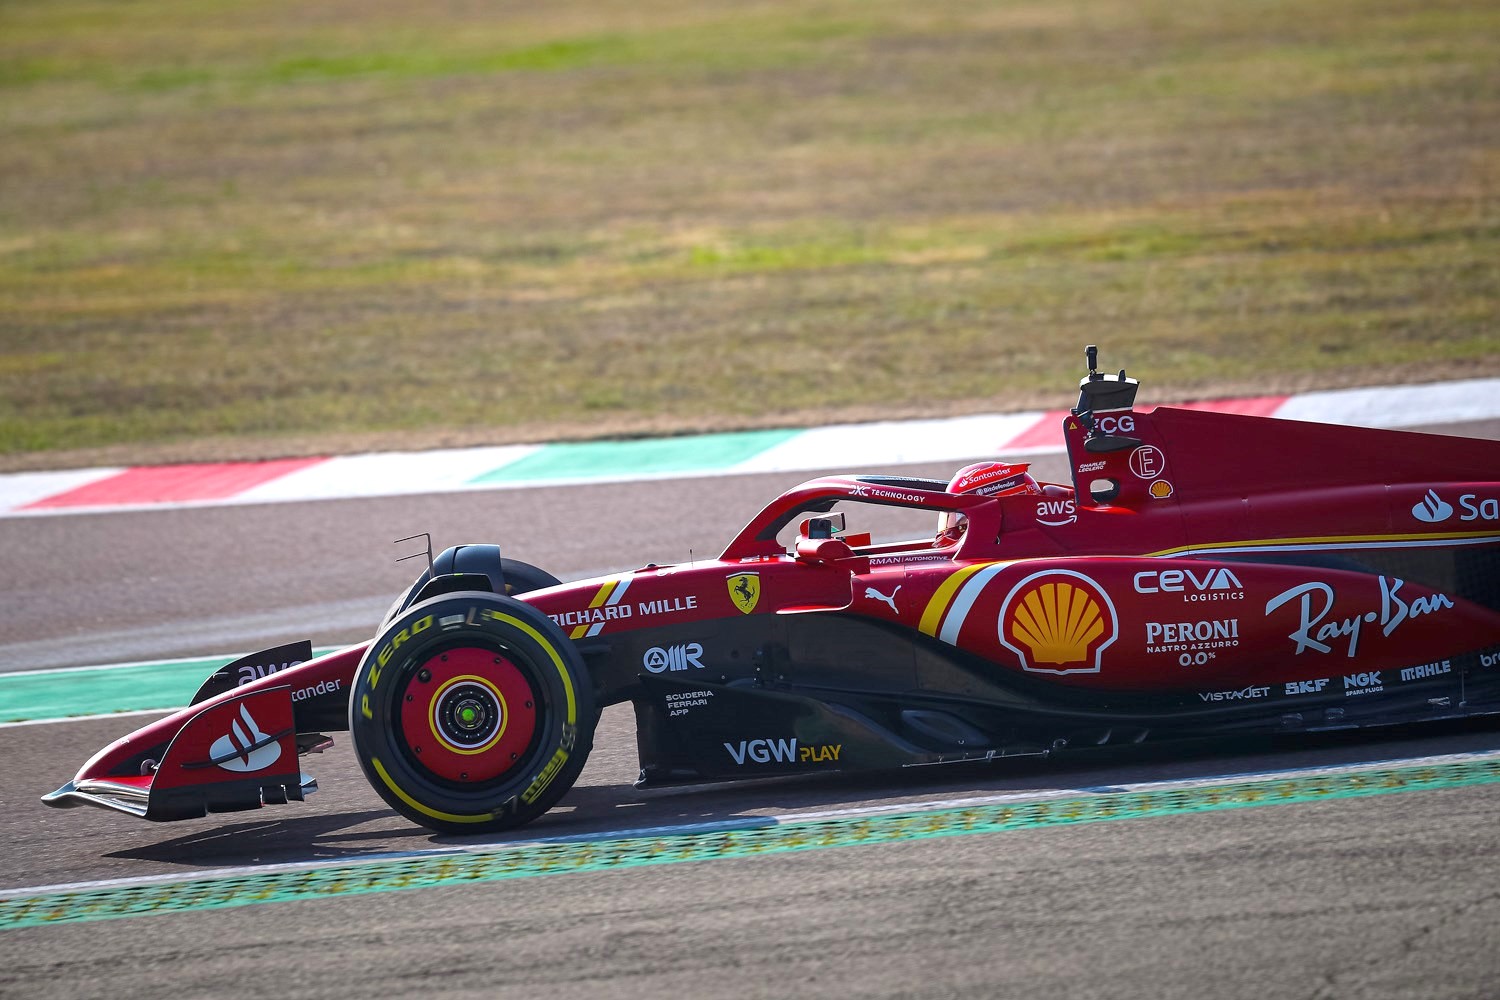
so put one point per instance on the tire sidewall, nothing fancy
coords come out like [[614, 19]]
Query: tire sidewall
[[544, 655], [520, 578]]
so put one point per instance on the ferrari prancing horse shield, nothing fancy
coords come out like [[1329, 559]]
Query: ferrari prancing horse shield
[[744, 591]]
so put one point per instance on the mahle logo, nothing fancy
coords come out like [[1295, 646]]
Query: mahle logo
[[1432, 508]]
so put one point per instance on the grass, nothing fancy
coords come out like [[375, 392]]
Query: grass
[[240, 230]]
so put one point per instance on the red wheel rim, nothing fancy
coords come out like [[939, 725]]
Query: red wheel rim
[[468, 715]]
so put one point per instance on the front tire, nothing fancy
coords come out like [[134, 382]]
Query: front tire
[[520, 577], [471, 712]]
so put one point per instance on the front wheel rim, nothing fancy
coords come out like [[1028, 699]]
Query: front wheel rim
[[468, 716]]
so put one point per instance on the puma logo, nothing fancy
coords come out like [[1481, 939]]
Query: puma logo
[[871, 592]]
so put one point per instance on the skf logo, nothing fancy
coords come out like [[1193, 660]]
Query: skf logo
[[744, 591], [659, 660], [1058, 622], [236, 746], [1432, 508], [1306, 687]]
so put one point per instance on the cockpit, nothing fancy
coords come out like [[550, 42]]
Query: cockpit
[[894, 520]]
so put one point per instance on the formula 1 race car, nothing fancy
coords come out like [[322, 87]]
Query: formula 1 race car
[[1203, 574]]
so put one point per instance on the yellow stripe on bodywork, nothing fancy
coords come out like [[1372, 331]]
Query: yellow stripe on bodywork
[[933, 616], [579, 631]]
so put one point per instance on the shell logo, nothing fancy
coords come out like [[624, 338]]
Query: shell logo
[[1058, 622]]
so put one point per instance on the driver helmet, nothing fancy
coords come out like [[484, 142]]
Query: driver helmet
[[987, 479]]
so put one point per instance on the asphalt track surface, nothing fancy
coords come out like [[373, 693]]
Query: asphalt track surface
[[1382, 896]]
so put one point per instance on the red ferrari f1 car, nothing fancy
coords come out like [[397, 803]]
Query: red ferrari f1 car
[[1202, 574]]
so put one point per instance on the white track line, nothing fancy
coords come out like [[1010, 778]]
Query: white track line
[[753, 822]]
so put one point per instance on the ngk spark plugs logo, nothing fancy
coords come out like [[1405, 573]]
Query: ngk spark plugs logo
[[1058, 622]]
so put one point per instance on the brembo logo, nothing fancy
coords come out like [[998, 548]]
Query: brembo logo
[[236, 746], [1432, 508]]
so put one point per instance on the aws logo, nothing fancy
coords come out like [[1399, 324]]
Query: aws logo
[[1056, 513], [1058, 622]]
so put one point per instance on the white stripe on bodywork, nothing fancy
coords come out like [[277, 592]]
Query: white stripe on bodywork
[[964, 600], [620, 587]]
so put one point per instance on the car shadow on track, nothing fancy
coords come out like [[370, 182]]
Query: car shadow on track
[[591, 812], [303, 838], [598, 811]]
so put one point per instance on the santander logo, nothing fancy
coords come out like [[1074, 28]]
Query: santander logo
[[235, 746], [1432, 508]]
